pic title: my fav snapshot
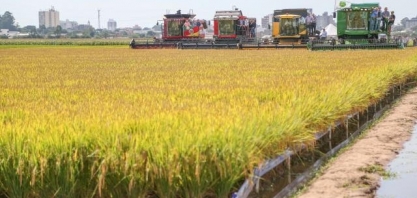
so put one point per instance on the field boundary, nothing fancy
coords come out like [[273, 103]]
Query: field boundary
[[362, 120]]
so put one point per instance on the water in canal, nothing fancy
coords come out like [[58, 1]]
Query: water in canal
[[404, 184]]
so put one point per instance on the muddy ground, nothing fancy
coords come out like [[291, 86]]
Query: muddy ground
[[357, 170]]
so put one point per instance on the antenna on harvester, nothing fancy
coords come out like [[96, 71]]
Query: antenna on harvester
[[99, 19]]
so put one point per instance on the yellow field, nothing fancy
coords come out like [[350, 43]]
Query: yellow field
[[116, 122]]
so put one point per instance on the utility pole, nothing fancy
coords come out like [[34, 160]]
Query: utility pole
[[99, 19]]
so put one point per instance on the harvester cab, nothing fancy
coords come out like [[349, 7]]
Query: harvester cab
[[290, 29], [231, 30], [232, 26], [176, 29], [183, 27], [177, 26], [289, 26], [358, 29]]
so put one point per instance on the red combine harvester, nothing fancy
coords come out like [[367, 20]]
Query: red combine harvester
[[176, 29], [231, 28]]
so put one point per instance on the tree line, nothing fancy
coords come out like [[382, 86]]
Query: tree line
[[7, 21]]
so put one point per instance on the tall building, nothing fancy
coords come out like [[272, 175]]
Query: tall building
[[49, 18], [266, 20], [324, 20], [411, 22], [111, 25]]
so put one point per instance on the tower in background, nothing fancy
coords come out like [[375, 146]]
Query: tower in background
[[99, 19]]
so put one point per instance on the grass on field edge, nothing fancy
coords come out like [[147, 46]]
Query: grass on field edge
[[368, 169]]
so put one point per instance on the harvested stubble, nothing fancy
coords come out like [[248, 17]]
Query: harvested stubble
[[115, 122]]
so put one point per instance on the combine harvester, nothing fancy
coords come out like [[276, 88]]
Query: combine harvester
[[289, 28], [232, 30], [176, 28], [355, 30]]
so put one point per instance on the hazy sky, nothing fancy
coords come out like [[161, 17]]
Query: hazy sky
[[145, 13]]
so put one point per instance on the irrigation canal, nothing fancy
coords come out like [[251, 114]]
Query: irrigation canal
[[283, 176], [404, 167]]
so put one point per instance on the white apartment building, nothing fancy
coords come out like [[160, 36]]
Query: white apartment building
[[67, 24], [49, 18], [111, 25], [411, 23], [266, 20], [324, 20]]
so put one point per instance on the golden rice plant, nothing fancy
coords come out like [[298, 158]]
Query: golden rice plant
[[116, 122]]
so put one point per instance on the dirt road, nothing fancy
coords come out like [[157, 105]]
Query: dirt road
[[356, 172]]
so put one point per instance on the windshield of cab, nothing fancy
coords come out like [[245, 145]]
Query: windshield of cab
[[174, 28], [226, 27], [289, 26], [357, 20]]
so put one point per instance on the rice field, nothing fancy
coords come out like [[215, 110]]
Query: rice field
[[116, 122]]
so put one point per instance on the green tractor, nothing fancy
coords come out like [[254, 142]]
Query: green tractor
[[357, 29]]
